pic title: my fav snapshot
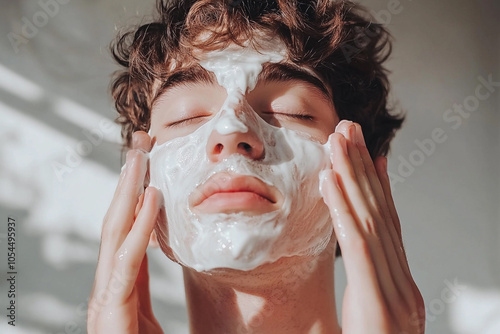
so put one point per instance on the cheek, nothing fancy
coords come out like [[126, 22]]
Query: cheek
[[326, 121], [326, 128]]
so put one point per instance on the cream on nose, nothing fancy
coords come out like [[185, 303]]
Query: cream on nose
[[229, 123], [232, 136]]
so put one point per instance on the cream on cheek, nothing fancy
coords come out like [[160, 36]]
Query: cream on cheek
[[291, 163]]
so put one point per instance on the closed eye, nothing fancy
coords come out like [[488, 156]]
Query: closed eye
[[186, 121], [300, 116]]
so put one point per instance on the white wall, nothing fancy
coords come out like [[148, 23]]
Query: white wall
[[53, 91]]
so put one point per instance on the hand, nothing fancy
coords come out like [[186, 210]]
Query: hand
[[120, 301], [381, 296]]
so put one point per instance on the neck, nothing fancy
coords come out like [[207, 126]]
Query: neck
[[293, 295]]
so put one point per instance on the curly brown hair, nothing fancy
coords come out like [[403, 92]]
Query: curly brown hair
[[336, 39]]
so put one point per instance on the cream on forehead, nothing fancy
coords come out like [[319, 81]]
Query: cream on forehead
[[237, 68], [291, 164]]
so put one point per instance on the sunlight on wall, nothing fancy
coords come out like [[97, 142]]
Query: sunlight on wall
[[50, 305], [29, 180], [19, 86], [87, 119], [476, 311], [61, 181]]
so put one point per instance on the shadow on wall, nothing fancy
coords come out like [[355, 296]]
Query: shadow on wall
[[59, 161], [57, 186]]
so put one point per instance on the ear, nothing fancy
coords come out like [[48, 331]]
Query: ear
[[153, 240]]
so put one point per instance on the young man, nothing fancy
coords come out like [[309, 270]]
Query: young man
[[246, 104]]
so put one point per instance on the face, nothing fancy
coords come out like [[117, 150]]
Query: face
[[237, 156]]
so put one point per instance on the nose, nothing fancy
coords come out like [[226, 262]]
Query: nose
[[221, 146]]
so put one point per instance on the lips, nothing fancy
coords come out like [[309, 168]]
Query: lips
[[243, 191]]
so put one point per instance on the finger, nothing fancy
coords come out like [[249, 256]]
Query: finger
[[391, 243], [130, 255], [361, 167], [347, 164], [378, 200], [141, 141], [381, 167], [360, 270], [142, 285], [387, 261], [369, 224], [377, 208], [139, 205], [120, 215]]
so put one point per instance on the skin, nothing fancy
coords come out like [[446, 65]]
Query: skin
[[292, 295]]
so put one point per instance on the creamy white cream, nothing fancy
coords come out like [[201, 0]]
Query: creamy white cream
[[291, 163]]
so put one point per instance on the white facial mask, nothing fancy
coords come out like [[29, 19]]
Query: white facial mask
[[291, 163]]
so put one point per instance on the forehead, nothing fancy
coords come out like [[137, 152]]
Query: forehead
[[271, 73]]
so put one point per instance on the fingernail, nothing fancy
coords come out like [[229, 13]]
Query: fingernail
[[352, 133], [342, 122], [136, 140]]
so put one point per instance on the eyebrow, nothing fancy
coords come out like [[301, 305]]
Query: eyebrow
[[185, 77], [271, 72], [283, 72]]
